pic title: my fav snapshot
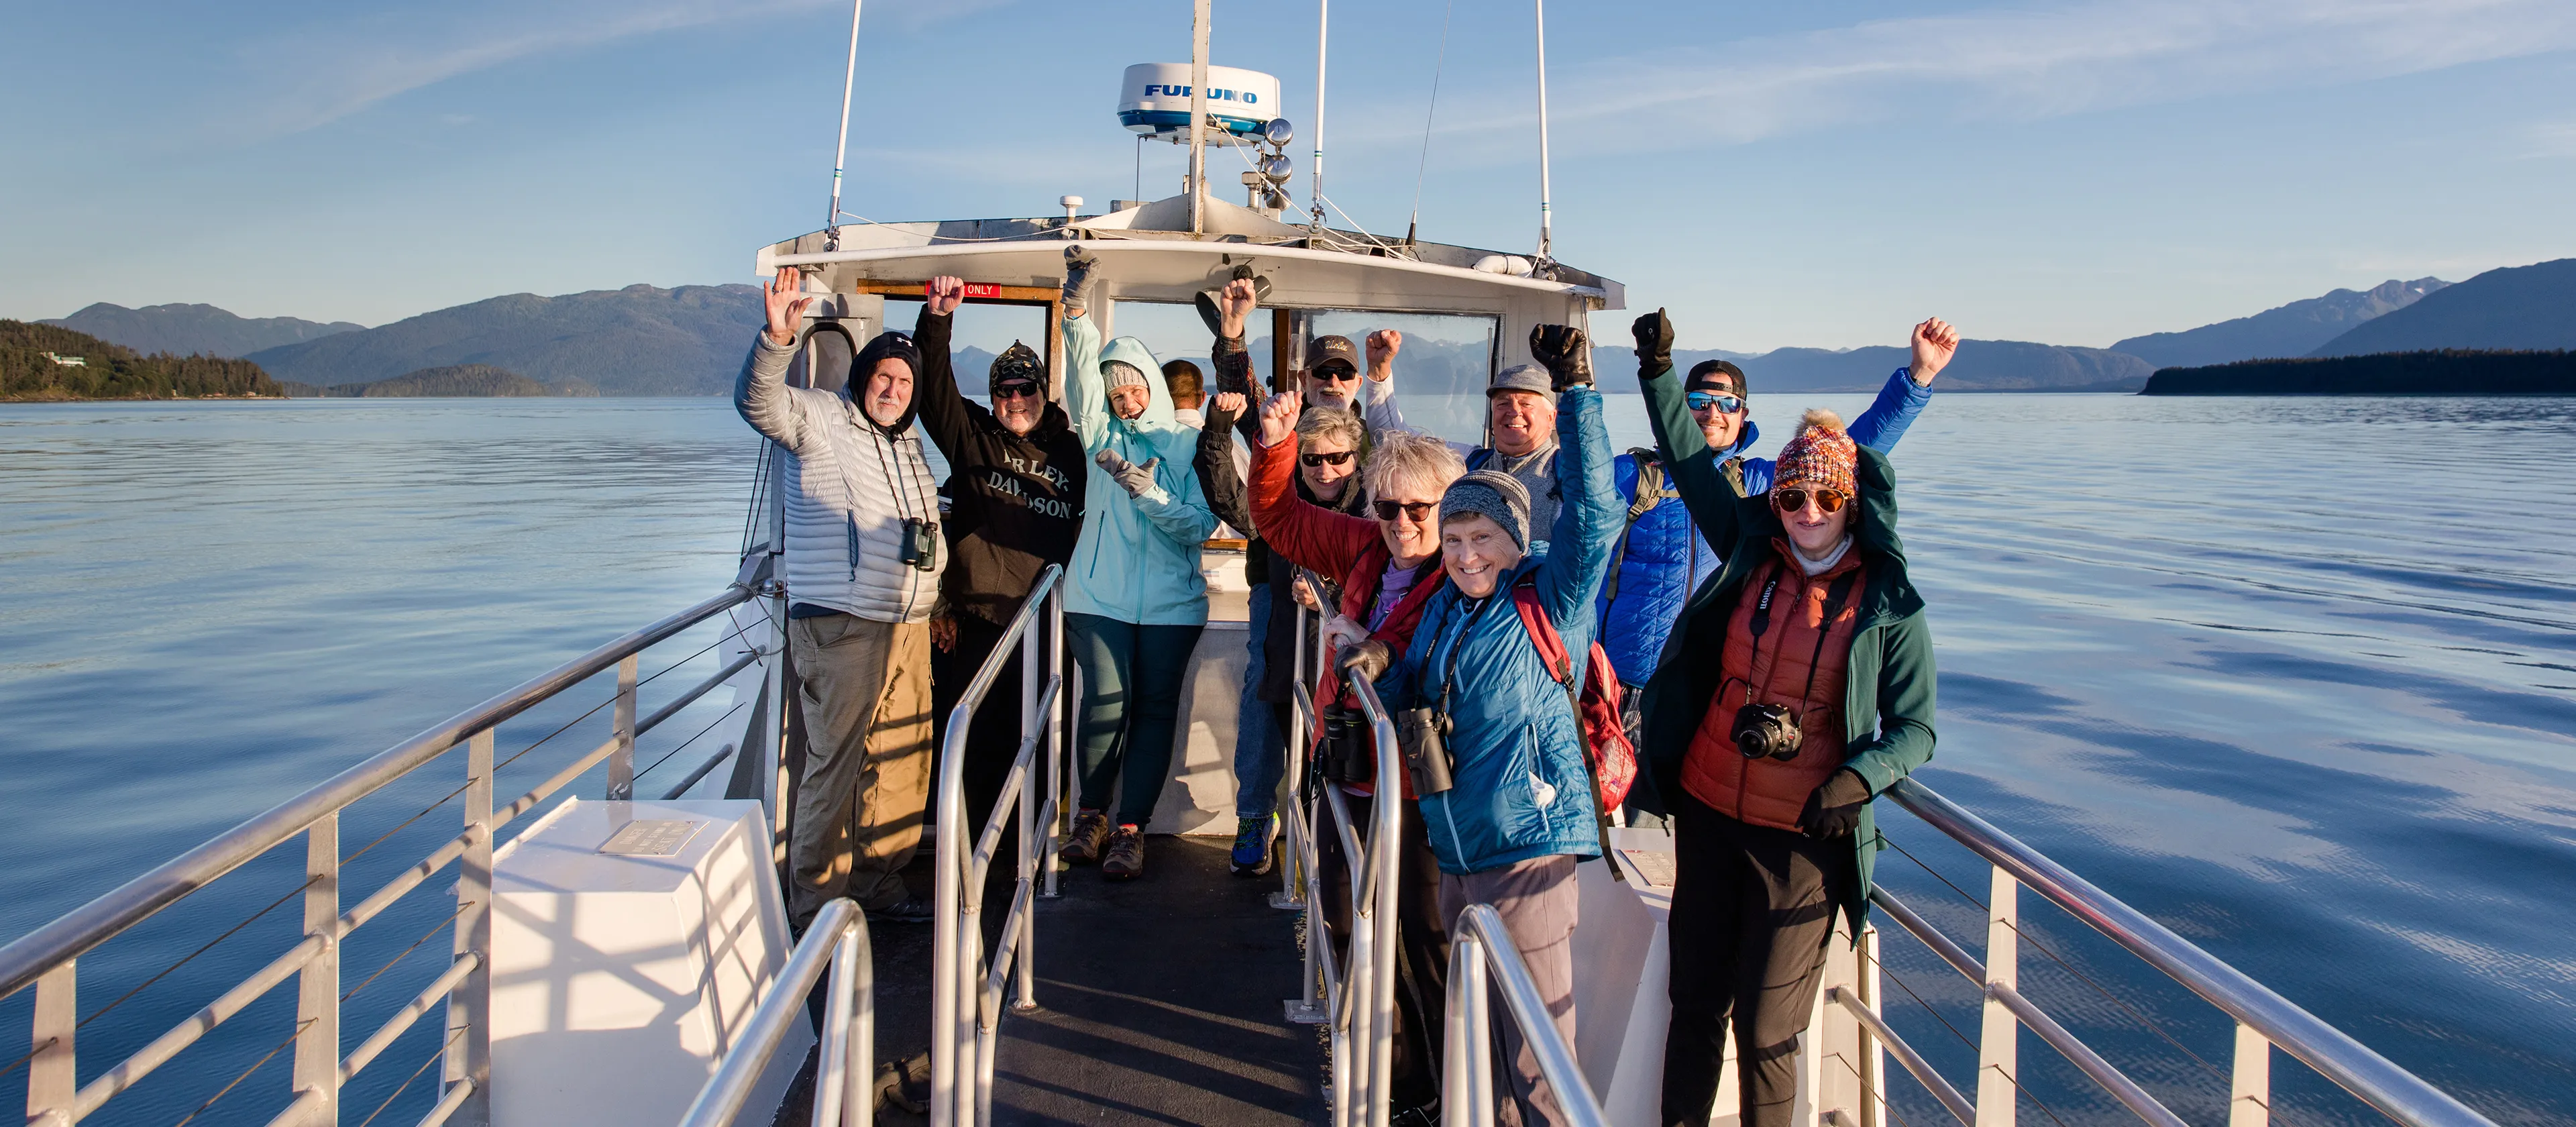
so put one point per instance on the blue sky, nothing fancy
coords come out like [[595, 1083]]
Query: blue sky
[[1824, 173]]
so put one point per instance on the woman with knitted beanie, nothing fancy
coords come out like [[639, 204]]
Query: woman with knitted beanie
[[1796, 686]]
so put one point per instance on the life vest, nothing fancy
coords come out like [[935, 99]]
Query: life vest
[[1785, 654]]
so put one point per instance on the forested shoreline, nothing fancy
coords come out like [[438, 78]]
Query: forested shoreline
[[30, 370]]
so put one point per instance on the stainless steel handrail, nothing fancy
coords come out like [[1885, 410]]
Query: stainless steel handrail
[[844, 1079], [2395, 1092], [1373, 915], [1478, 942], [48, 957], [73, 934], [963, 1042]]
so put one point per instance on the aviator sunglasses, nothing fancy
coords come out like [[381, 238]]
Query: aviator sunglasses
[[1335, 458], [1703, 400], [1419, 510], [1828, 502]]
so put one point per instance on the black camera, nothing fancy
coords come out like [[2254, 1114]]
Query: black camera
[[920, 546], [1340, 750], [1422, 736], [1770, 730]]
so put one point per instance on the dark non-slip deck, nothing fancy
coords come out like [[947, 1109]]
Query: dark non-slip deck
[[1159, 1002]]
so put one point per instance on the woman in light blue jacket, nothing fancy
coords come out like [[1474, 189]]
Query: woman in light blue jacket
[[1137, 601]]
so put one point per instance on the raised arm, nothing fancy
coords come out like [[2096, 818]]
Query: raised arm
[[1215, 463], [1378, 411], [1086, 402], [1909, 389], [946, 415], [1692, 467], [760, 393], [1305, 534], [1589, 514]]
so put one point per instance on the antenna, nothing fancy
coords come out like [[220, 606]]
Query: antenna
[[1323, 21], [1198, 114], [1543, 231], [841, 148]]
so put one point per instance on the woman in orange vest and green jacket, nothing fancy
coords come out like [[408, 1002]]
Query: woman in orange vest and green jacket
[[1796, 686]]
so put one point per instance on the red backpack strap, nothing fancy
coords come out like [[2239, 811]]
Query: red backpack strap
[[1551, 647]]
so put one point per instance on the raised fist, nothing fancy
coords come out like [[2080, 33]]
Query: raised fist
[[1228, 404], [1559, 348], [945, 294], [1935, 342], [1279, 418], [1234, 304], [1654, 335], [1078, 268], [1382, 346]]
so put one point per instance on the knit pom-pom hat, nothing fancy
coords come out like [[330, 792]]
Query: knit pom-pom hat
[[1822, 455]]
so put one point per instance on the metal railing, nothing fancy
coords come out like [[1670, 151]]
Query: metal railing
[[2264, 1019], [962, 1043], [1479, 942], [1355, 994], [844, 1066], [47, 958]]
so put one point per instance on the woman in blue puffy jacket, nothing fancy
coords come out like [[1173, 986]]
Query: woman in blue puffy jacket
[[1519, 810]]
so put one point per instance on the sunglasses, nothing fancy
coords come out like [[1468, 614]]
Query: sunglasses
[[1337, 374], [1419, 510], [1337, 457], [1015, 390], [1703, 400], [1828, 502]]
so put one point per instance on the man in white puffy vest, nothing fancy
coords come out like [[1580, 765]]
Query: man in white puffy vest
[[862, 574]]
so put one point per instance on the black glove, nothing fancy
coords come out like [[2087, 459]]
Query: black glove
[[1078, 267], [1654, 333], [1560, 349], [1366, 659], [1834, 809]]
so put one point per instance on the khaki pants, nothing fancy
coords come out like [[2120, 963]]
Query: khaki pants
[[1539, 906], [859, 808]]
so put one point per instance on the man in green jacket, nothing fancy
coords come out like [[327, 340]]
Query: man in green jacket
[[1796, 686]]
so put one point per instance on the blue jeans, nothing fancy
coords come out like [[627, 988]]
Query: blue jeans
[[1132, 677], [1260, 748]]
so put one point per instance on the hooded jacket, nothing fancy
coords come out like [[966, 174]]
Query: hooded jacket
[[851, 485], [1016, 501], [1138, 557], [1520, 786], [1664, 558], [1889, 680]]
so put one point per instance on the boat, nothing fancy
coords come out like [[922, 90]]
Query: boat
[[621, 955]]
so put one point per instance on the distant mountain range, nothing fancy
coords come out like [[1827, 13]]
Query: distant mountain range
[[2290, 330], [643, 340], [454, 381], [2518, 307], [193, 330]]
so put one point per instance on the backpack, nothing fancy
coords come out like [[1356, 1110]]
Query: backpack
[[1652, 490], [1607, 755]]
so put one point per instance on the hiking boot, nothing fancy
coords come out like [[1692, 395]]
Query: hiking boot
[[1082, 846], [1252, 838], [909, 910], [1125, 858]]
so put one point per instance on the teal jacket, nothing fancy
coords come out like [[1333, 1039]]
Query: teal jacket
[[1138, 558], [1889, 687]]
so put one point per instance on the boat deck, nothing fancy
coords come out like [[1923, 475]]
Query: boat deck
[[1159, 1003]]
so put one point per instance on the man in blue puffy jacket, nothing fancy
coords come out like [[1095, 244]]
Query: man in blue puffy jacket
[[1662, 558]]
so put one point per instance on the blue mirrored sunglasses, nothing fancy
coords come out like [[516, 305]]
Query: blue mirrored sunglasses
[[1703, 400]]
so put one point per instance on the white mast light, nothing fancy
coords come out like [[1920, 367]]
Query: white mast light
[[1154, 101]]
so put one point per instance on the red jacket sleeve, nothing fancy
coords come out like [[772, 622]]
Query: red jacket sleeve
[[1311, 537]]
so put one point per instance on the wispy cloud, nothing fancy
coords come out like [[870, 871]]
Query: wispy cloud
[[2022, 63], [2549, 140], [328, 71]]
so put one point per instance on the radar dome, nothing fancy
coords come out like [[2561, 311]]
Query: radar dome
[[1155, 102]]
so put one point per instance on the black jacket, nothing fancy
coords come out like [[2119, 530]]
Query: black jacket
[[1015, 501], [1226, 498]]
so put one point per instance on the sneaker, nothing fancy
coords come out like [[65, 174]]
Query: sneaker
[[1082, 846], [909, 910], [1125, 859], [1252, 838]]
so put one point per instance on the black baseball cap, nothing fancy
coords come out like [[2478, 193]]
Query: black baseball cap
[[1335, 349]]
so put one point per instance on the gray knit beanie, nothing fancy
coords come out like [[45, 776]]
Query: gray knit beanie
[[1122, 374], [1492, 494]]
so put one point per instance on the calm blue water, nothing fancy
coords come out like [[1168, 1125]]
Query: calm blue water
[[2296, 677]]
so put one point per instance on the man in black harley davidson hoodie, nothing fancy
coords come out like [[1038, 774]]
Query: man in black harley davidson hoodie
[[1016, 473]]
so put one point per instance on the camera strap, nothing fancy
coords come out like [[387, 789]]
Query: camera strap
[[1450, 674], [1762, 609], [1834, 600]]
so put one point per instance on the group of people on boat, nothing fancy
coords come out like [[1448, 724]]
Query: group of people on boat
[[1527, 610]]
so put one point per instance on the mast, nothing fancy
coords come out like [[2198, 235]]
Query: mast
[[1315, 182], [841, 146], [1198, 114], [1543, 226]]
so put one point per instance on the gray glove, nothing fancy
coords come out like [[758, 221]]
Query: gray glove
[[1136, 479], [1078, 268]]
